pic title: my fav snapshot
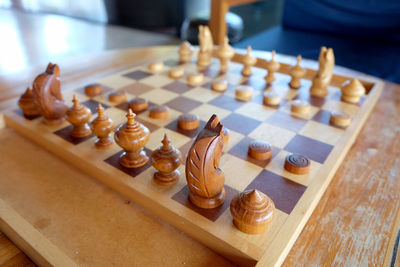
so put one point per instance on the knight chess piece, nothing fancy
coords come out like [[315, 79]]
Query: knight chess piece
[[352, 91], [47, 95], [248, 62], [297, 73], [272, 67], [27, 105], [206, 47], [225, 53], [204, 178], [102, 126], [185, 52], [324, 74], [252, 211], [166, 159], [79, 115], [132, 136]]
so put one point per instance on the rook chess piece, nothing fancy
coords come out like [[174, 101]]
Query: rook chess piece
[[47, 95], [297, 72], [166, 159], [272, 67], [132, 136], [79, 115], [352, 91], [185, 52], [225, 54], [27, 104], [102, 127], [204, 178], [324, 74], [248, 62], [252, 211]]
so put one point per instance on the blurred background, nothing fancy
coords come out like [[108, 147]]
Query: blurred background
[[365, 34]]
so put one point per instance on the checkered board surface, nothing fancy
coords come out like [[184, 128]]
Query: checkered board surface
[[293, 195]]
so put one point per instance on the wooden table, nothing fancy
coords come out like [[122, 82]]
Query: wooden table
[[355, 222]]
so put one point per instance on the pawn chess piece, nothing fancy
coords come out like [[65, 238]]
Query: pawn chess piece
[[27, 104], [102, 127], [79, 115], [225, 53], [248, 62], [272, 67], [166, 159], [204, 178], [47, 95], [252, 211], [324, 74], [352, 91], [132, 136], [185, 52], [297, 73]]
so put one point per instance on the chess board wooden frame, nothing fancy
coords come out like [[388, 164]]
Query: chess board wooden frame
[[237, 247]]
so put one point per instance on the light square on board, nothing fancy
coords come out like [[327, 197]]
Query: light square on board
[[116, 81], [226, 102], [201, 94], [205, 112], [156, 80], [232, 78], [287, 121], [322, 132], [333, 105], [284, 92], [313, 110], [311, 148], [173, 115], [137, 88], [239, 123], [177, 139], [257, 83], [178, 87], [274, 135], [255, 111], [159, 96]]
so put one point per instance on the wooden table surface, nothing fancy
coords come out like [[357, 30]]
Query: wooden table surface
[[356, 221]]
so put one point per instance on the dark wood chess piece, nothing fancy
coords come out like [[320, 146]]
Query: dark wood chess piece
[[204, 178], [47, 95], [102, 127], [79, 115], [166, 159], [132, 137], [27, 104]]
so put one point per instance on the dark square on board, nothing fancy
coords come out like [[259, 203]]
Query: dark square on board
[[65, 133], [239, 123], [322, 116], [258, 84], [304, 94], [226, 102], [287, 121], [171, 63], [182, 196], [284, 192], [92, 105], [137, 75], [114, 161], [177, 87], [183, 104], [311, 148]]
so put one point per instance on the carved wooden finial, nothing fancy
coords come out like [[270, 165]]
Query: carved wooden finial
[[100, 110], [130, 116], [298, 59], [273, 53], [166, 143], [249, 49], [75, 101]]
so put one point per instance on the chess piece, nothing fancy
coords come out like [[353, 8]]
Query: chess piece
[[159, 112], [188, 122], [79, 115], [176, 73], [297, 73], [195, 79], [138, 105], [271, 98], [47, 95], [156, 66], [300, 107], [92, 90], [204, 178], [324, 74], [225, 133], [225, 53], [352, 91], [206, 46], [27, 104], [117, 97], [297, 164], [340, 119], [260, 150], [252, 211], [219, 86], [272, 66], [102, 127], [166, 159], [248, 62], [132, 136], [185, 52], [244, 93]]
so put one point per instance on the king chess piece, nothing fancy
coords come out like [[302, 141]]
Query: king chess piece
[[204, 177], [47, 95]]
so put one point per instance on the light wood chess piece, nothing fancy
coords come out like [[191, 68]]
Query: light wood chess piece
[[297, 73], [79, 115], [27, 104], [166, 159], [352, 91], [185, 52], [47, 95], [206, 47], [132, 136], [248, 62], [272, 67], [324, 74], [102, 126], [225, 53], [204, 178], [252, 211]]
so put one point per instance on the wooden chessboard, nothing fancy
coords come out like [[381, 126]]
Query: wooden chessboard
[[295, 196]]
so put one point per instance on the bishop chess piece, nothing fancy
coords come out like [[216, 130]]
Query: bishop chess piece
[[324, 74], [272, 67], [297, 73], [204, 178], [47, 95], [352, 91], [185, 52], [79, 115], [166, 159], [102, 126], [27, 104], [248, 62], [132, 136], [225, 54], [206, 47]]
